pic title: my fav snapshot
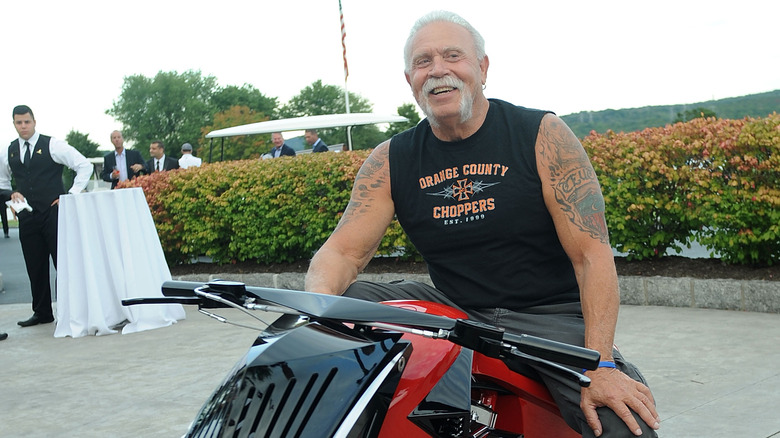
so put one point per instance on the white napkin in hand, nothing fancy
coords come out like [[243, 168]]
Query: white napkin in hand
[[19, 206]]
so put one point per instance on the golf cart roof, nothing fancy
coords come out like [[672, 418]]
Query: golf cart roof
[[307, 122]]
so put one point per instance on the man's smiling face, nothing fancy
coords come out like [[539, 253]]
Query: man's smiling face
[[445, 75]]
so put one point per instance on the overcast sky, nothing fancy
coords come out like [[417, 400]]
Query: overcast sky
[[67, 59]]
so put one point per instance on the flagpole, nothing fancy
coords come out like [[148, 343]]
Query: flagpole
[[346, 74], [344, 54]]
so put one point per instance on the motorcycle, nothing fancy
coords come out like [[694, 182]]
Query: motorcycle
[[332, 366]]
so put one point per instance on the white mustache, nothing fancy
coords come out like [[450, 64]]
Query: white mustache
[[446, 81]]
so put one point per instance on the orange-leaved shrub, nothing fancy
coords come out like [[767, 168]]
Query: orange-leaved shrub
[[741, 208], [268, 211], [710, 180], [715, 181]]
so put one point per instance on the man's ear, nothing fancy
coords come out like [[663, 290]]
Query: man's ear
[[483, 66]]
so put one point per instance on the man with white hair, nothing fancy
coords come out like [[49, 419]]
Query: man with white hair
[[515, 185], [280, 148], [121, 164]]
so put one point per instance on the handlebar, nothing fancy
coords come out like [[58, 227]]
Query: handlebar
[[555, 351], [486, 339]]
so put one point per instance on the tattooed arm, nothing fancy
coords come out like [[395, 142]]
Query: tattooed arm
[[359, 232], [574, 199]]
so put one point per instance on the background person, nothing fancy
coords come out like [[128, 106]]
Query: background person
[[3, 199], [187, 159], [280, 148], [516, 187], [313, 139], [122, 164], [4, 213], [159, 162], [36, 162]]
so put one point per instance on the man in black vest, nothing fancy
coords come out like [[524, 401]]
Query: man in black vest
[[36, 162]]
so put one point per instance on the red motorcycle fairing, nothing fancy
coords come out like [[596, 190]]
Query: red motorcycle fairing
[[522, 406], [429, 362]]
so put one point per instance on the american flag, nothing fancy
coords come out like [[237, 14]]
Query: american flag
[[343, 45]]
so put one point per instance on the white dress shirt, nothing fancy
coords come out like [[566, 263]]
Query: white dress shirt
[[121, 164], [61, 152], [159, 164], [188, 160]]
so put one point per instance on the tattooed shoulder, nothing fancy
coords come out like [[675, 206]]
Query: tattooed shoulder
[[572, 178], [373, 176], [376, 165]]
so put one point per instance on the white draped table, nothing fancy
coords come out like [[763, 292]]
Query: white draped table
[[108, 250]]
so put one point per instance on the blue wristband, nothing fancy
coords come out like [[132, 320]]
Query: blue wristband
[[604, 364]]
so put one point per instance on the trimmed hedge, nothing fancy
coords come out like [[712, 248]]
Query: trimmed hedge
[[715, 181], [267, 211]]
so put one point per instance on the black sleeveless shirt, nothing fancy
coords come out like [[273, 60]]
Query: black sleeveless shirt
[[474, 210]]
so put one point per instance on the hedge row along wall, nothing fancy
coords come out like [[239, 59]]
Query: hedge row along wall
[[716, 181], [269, 211]]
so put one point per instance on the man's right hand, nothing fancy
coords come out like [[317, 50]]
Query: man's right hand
[[17, 197]]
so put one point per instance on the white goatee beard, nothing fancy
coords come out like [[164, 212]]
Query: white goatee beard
[[466, 108]]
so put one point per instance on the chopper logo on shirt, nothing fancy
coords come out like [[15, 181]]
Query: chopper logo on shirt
[[462, 189]]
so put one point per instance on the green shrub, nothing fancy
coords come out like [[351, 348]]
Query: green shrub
[[740, 205], [716, 181], [713, 180], [267, 211], [642, 182]]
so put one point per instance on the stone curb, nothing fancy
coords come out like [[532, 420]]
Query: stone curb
[[723, 294]]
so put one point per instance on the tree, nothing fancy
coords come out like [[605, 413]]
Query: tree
[[239, 147], [406, 110], [318, 99], [83, 144], [170, 107], [246, 96], [696, 113]]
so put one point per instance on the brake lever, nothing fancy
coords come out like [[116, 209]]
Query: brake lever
[[517, 358], [203, 292]]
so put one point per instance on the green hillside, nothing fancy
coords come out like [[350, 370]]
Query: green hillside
[[635, 119]]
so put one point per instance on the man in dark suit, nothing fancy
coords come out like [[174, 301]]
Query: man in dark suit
[[159, 162], [122, 164], [280, 148], [313, 138], [36, 162]]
